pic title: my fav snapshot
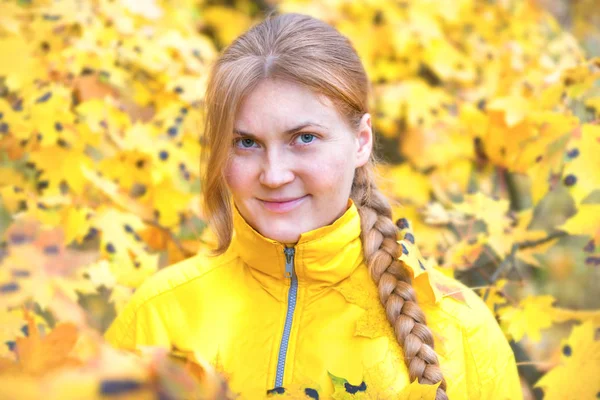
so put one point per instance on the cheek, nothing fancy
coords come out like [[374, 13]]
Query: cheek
[[238, 175], [331, 173]]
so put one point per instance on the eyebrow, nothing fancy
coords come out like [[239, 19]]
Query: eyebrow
[[287, 132]]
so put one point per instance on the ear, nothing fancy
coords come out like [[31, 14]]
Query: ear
[[364, 140]]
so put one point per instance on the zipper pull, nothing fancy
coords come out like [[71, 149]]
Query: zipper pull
[[289, 261]]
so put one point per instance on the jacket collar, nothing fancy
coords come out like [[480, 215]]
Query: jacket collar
[[325, 255]]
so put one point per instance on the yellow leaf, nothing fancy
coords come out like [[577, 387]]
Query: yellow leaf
[[168, 201], [76, 222], [452, 177], [417, 391], [429, 236], [594, 103], [463, 254], [533, 314], [19, 70], [373, 323], [585, 222], [393, 182], [582, 169], [515, 108], [116, 195], [495, 295], [564, 314], [37, 355], [448, 63], [238, 22], [59, 164], [579, 362]]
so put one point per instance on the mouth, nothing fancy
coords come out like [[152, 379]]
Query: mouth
[[282, 205]]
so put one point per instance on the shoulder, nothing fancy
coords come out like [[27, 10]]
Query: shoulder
[[460, 302], [178, 274], [122, 331], [466, 333], [486, 349]]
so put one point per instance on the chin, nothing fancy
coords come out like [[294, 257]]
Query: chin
[[285, 233]]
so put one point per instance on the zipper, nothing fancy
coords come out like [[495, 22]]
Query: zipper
[[290, 272]]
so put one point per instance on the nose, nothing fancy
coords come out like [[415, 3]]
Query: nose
[[276, 171]]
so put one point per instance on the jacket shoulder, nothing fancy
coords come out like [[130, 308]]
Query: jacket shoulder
[[175, 275], [460, 304], [122, 331], [489, 360]]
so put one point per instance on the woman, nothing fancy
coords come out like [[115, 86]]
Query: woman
[[311, 292]]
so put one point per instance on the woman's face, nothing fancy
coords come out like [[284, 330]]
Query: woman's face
[[292, 160]]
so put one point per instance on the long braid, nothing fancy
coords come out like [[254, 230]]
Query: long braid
[[381, 249]]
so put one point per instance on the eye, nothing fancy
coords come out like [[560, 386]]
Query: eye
[[244, 143], [307, 138]]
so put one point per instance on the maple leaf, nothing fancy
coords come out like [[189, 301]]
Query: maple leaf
[[563, 314], [77, 224], [116, 195], [379, 383], [22, 67], [463, 254], [580, 360], [343, 390], [582, 169], [430, 236], [514, 108], [449, 63], [491, 211], [516, 233], [168, 202], [373, 323], [417, 391], [427, 147], [533, 314], [452, 178], [495, 296], [213, 15], [38, 355], [59, 164], [392, 181], [585, 222]]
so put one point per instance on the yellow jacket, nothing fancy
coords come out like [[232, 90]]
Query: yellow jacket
[[307, 321]]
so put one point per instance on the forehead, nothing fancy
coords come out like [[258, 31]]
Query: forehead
[[277, 105]]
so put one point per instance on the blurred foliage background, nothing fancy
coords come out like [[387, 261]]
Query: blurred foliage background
[[487, 119]]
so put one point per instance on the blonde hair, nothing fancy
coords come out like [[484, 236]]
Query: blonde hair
[[309, 52]]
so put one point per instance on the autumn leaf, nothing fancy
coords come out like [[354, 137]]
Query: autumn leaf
[[344, 390], [393, 182], [582, 169], [585, 222], [579, 362], [491, 211], [38, 355], [532, 315], [495, 296], [58, 164], [564, 314], [417, 391], [513, 108], [373, 323]]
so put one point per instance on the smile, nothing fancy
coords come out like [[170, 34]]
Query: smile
[[283, 206]]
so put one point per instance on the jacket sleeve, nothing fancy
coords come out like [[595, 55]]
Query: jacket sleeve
[[140, 323], [494, 368], [504, 383], [123, 330]]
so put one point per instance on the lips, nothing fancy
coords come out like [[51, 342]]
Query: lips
[[283, 205]]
